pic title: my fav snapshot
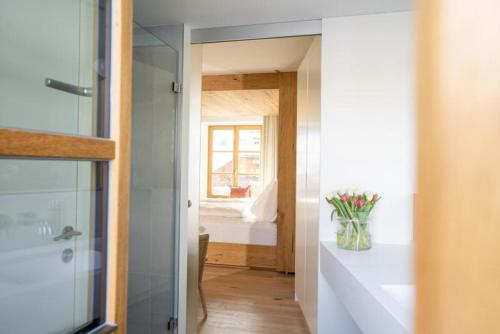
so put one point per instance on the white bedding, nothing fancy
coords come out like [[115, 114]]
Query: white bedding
[[239, 230], [235, 208]]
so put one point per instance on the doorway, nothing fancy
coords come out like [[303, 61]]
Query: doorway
[[248, 176]]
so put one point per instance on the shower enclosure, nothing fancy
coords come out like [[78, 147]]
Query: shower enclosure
[[152, 292]]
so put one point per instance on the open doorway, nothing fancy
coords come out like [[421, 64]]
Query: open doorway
[[249, 94]]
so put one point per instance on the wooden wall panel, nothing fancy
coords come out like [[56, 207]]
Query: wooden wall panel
[[287, 151], [256, 256], [458, 207]]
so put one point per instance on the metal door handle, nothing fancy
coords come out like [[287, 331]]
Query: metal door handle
[[68, 88], [68, 232]]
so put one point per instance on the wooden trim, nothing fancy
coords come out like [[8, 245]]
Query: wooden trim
[[30, 144], [240, 81], [255, 256], [120, 168], [287, 156], [236, 151], [458, 211]]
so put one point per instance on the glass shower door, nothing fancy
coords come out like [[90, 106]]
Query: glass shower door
[[52, 211], [152, 246]]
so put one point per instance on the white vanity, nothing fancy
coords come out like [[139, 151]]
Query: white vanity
[[368, 292]]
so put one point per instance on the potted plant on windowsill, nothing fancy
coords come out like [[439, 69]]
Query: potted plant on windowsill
[[351, 211]]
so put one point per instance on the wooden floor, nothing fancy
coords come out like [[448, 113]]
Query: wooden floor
[[250, 301]]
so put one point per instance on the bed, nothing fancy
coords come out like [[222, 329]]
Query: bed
[[239, 230], [231, 221], [242, 231]]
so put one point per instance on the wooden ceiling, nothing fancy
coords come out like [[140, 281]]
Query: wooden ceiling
[[240, 103]]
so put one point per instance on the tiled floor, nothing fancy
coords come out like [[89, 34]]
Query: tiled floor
[[250, 301]]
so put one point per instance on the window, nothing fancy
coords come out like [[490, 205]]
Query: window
[[234, 159]]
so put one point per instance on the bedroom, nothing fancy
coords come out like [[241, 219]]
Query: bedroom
[[242, 212], [248, 167]]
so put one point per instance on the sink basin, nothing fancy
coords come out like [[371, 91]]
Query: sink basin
[[404, 294]]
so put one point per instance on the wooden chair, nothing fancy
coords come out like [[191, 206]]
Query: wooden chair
[[203, 248]]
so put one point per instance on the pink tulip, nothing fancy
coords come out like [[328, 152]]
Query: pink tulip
[[375, 198], [344, 197], [360, 202]]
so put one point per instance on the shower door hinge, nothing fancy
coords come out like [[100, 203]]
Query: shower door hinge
[[171, 324], [176, 87]]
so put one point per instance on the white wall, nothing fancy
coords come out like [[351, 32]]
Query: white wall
[[367, 131], [368, 118], [308, 158]]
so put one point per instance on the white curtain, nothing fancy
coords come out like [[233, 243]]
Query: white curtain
[[269, 150]]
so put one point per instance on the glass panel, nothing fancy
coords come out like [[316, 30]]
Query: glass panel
[[57, 40], [222, 162], [249, 163], [222, 140], [253, 181], [152, 252], [221, 185], [249, 140], [52, 260]]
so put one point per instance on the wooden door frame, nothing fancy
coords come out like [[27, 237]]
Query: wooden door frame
[[286, 83]]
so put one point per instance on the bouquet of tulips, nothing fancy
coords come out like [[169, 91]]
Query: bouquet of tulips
[[353, 209]]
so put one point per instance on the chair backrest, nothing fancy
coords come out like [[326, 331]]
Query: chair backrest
[[203, 248]]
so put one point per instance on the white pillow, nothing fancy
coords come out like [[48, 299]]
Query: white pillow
[[265, 207]]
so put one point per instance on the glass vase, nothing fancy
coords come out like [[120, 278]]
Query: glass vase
[[354, 233]]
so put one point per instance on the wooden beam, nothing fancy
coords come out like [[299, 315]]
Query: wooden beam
[[240, 81], [120, 168], [458, 211], [29, 144], [255, 256], [287, 151]]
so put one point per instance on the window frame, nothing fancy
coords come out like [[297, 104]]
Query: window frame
[[236, 153]]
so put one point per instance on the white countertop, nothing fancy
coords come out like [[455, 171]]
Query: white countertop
[[375, 286]]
